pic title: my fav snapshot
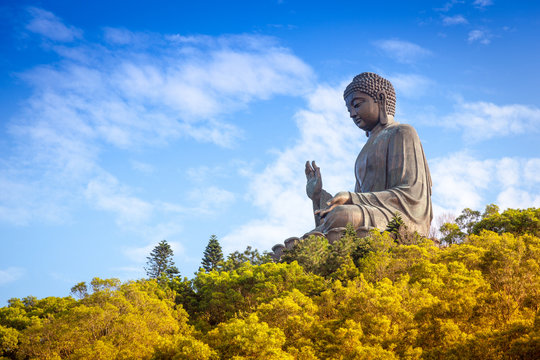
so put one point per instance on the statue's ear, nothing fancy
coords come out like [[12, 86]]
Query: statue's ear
[[381, 99]]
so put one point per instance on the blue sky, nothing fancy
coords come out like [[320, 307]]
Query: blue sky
[[126, 123]]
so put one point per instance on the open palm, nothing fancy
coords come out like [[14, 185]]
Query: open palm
[[314, 181]]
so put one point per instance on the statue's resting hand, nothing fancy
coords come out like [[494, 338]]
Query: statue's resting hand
[[314, 181], [341, 198]]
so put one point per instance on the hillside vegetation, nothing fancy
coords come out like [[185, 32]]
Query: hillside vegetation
[[474, 294]]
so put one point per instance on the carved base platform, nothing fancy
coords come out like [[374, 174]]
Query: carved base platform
[[333, 235]]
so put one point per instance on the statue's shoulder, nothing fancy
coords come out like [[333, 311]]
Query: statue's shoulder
[[404, 130]]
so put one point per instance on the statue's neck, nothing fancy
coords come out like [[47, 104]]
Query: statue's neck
[[380, 126]]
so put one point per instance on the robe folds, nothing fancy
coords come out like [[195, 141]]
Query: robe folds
[[392, 175]]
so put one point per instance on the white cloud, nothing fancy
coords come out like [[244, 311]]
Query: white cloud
[[454, 20], [148, 219], [142, 167], [532, 171], [517, 198], [449, 5], [410, 85], [508, 171], [107, 194], [460, 180], [118, 36], [481, 36], [209, 199], [24, 199], [484, 120], [10, 274], [135, 91], [328, 136], [202, 173], [482, 3], [48, 25], [126, 96], [402, 51]]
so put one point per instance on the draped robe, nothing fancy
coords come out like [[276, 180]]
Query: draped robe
[[392, 175]]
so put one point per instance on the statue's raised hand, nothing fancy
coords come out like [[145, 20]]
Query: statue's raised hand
[[314, 181]]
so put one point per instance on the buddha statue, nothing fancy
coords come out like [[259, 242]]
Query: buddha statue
[[392, 174]]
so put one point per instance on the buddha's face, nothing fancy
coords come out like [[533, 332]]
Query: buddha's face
[[363, 110]]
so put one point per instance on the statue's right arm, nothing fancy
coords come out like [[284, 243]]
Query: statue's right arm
[[314, 189]]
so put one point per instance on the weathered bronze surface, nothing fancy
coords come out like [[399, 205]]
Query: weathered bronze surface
[[392, 173]]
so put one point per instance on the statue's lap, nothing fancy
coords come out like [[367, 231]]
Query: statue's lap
[[359, 216]]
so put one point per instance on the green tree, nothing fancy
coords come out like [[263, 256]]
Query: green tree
[[9, 339], [515, 221], [468, 218], [222, 295], [395, 225], [451, 234], [237, 258], [116, 321], [248, 339], [311, 253], [455, 232], [357, 298], [213, 255], [160, 262], [80, 290]]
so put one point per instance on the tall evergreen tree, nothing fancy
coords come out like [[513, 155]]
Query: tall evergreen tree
[[213, 255], [160, 262]]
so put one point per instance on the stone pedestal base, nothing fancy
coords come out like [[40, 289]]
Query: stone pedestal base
[[333, 235]]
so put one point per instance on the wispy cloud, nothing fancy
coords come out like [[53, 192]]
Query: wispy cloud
[[142, 167], [107, 194], [46, 24], [454, 20], [202, 173], [210, 199], [459, 179], [531, 171], [135, 90], [133, 213], [462, 180], [327, 135], [513, 197], [449, 5], [121, 36], [485, 120], [482, 3], [10, 274], [481, 36], [410, 85], [402, 51]]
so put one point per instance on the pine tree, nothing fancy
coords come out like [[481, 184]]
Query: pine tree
[[213, 255], [395, 224], [160, 262]]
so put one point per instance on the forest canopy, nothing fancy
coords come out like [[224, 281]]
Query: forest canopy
[[474, 293]]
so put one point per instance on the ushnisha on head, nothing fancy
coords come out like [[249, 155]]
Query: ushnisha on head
[[380, 89]]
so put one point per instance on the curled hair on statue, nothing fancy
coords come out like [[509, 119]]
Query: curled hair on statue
[[372, 84]]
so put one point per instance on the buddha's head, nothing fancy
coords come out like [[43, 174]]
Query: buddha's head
[[370, 99]]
